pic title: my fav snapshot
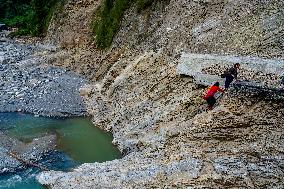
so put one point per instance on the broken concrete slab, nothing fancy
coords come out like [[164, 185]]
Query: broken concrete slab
[[207, 68]]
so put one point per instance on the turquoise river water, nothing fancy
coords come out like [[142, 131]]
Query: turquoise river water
[[78, 141]]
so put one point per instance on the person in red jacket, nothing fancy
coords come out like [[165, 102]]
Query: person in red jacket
[[209, 96]]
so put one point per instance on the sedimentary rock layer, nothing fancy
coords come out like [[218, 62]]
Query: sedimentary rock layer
[[158, 117]]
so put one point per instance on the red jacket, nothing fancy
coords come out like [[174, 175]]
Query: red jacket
[[211, 91]]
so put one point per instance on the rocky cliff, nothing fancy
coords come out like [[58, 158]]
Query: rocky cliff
[[158, 118]]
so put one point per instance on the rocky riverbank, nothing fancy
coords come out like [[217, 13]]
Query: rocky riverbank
[[158, 117], [16, 155], [171, 142], [29, 84]]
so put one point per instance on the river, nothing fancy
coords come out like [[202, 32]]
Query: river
[[78, 141]]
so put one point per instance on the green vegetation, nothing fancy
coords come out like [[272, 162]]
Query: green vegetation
[[31, 17], [143, 4], [109, 16], [108, 20]]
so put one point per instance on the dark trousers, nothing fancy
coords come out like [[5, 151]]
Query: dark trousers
[[211, 101], [228, 81]]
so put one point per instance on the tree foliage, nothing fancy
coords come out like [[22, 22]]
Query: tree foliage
[[31, 17]]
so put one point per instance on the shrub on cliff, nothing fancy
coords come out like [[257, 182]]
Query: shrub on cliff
[[142, 4], [108, 18], [107, 21]]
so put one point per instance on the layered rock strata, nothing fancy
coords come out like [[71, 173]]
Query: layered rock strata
[[158, 117], [171, 141]]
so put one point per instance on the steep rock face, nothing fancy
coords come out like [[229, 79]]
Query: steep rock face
[[170, 142], [158, 120], [71, 25], [220, 27], [158, 117]]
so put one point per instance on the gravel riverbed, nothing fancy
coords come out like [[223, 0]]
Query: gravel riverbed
[[28, 84]]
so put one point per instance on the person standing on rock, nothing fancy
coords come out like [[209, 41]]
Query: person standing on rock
[[209, 96], [231, 74]]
